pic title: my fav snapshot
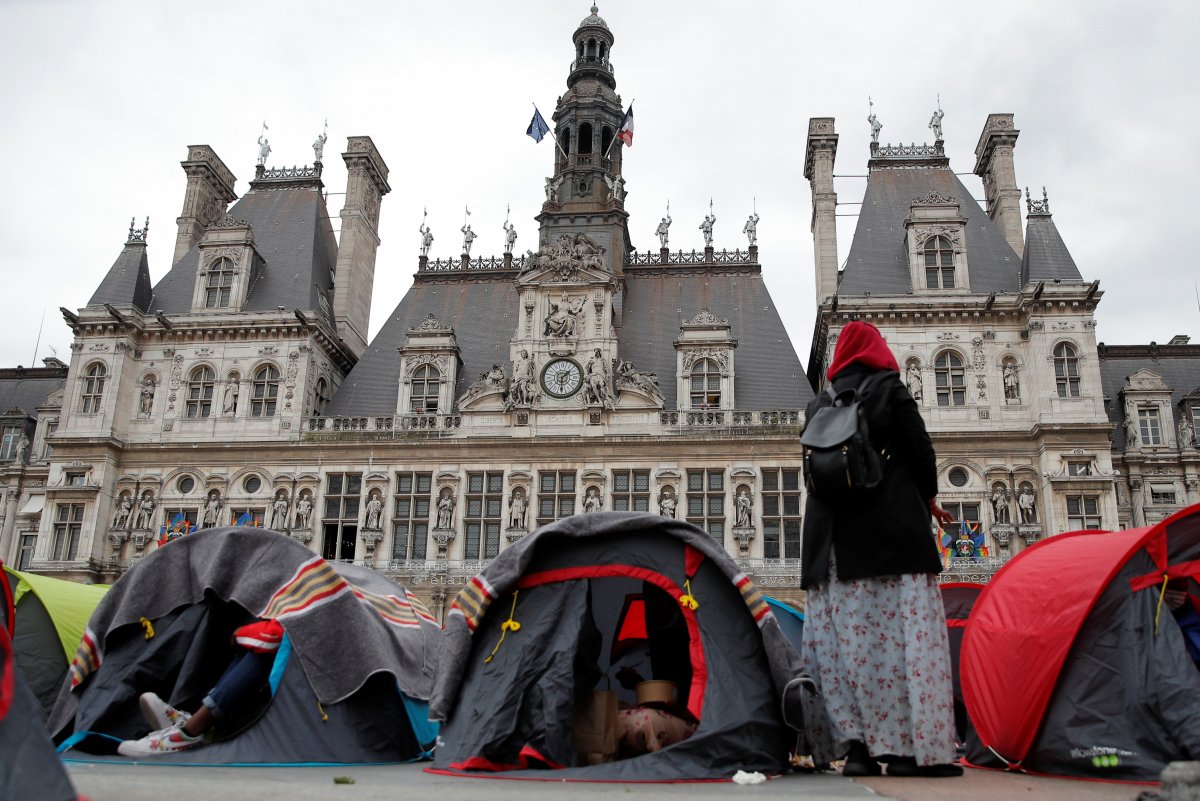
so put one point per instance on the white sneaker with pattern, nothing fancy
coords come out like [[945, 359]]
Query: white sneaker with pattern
[[159, 714]]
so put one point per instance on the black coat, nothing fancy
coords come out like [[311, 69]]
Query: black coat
[[885, 531]]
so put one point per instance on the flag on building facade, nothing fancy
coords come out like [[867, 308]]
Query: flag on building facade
[[537, 126], [625, 133], [243, 519]]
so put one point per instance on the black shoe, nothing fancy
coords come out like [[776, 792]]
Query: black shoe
[[907, 766], [859, 762]]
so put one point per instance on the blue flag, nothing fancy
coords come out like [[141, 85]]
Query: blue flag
[[243, 519], [537, 126]]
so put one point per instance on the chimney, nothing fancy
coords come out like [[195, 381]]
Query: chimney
[[366, 184], [994, 164], [209, 192], [818, 169]]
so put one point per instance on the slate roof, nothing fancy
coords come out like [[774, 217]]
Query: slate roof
[[27, 389], [127, 281], [293, 235], [1046, 256], [878, 260], [484, 312], [1179, 366]]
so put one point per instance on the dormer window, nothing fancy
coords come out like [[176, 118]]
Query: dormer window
[[1066, 370], [219, 286], [706, 385], [1149, 425], [426, 388], [939, 263]]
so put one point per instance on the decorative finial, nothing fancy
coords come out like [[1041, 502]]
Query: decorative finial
[[594, 9], [138, 234], [1037, 206]]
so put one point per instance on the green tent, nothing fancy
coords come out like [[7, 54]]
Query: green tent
[[50, 617]]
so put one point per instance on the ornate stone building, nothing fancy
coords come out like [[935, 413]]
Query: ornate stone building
[[504, 392]]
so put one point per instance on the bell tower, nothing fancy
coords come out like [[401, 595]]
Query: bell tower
[[586, 193]]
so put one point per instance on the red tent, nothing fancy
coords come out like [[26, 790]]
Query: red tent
[[1071, 665]]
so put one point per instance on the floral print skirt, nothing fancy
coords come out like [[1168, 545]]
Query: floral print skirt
[[879, 652]]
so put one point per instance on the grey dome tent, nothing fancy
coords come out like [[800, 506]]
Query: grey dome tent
[[349, 683], [507, 695]]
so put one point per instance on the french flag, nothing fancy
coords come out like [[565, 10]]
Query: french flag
[[625, 134]]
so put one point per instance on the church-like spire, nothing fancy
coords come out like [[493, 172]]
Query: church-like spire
[[127, 282]]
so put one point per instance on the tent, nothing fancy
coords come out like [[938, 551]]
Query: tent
[[29, 767], [50, 618], [958, 598], [547, 622], [1071, 666], [349, 683], [790, 619]]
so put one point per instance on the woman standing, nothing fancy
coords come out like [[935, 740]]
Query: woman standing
[[875, 633]]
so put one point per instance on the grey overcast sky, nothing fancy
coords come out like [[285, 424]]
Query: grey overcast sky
[[100, 100]]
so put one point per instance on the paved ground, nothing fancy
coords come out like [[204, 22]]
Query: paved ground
[[108, 782]]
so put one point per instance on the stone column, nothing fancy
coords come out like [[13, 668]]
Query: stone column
[[819, 157], [9, 523]]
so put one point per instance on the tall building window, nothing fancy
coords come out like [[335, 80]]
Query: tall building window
[[183, 518], [631, 490], [781, 513], [706, 385], [482, 519], [68, 526], [410, 516], [200, 392], [1162, 494], [1149, 425], [321, 397], [93, 388], [1066, 370], [8, 447], [961, 511], [706, 501], [340, 519], [1083, 512], [47, 448], [254, 516], [25, 551], [1079, 468], [219, 286], [426, 385], [556, 495], [264, 392], [939, 263], [950, 379]]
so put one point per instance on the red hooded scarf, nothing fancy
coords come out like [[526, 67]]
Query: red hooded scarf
[[861, 343]]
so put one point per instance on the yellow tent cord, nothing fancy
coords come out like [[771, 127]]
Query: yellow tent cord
[[1162, 593], [687, 600], [321, 709], [148, 626], [505, 628]]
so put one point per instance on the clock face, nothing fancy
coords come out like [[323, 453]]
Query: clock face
[[562, 378]]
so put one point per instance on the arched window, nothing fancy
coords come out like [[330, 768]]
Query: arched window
[[93, 387], [939, 263], [585, 138], [200, 392], [606, 138], [426, 386], [706, 385], [219, 287], [1066, 370], [265, 391], [322, 397], [564, 139], [950, 379]]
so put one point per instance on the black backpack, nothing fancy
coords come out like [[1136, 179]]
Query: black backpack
[[839, 458]]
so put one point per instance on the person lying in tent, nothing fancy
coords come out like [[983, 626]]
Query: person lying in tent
[[1183, 606], [234, 692]]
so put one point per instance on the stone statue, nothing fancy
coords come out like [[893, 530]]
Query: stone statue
[[646, 382], [615, 187], [121, 515], [559, 322], [707, 228], [468, 238], [912, 380], [552, 185], [212, 510], [319, 146], [663, 230], [1027, 503], [445, 511], [374, 514], [516, 511], [935, 124], [146, 397], [1012, 382], [1186, 433], [279, 512], [592, 502], [1000, 504], [750, 229], [666, 505], [876, 127], [510, 236], [522, 391], [145, 512], [22, 447], [303, 510], [744, 504], [264, 149], [1132, 440], [596, 388], [230, 402], [426, 238]]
